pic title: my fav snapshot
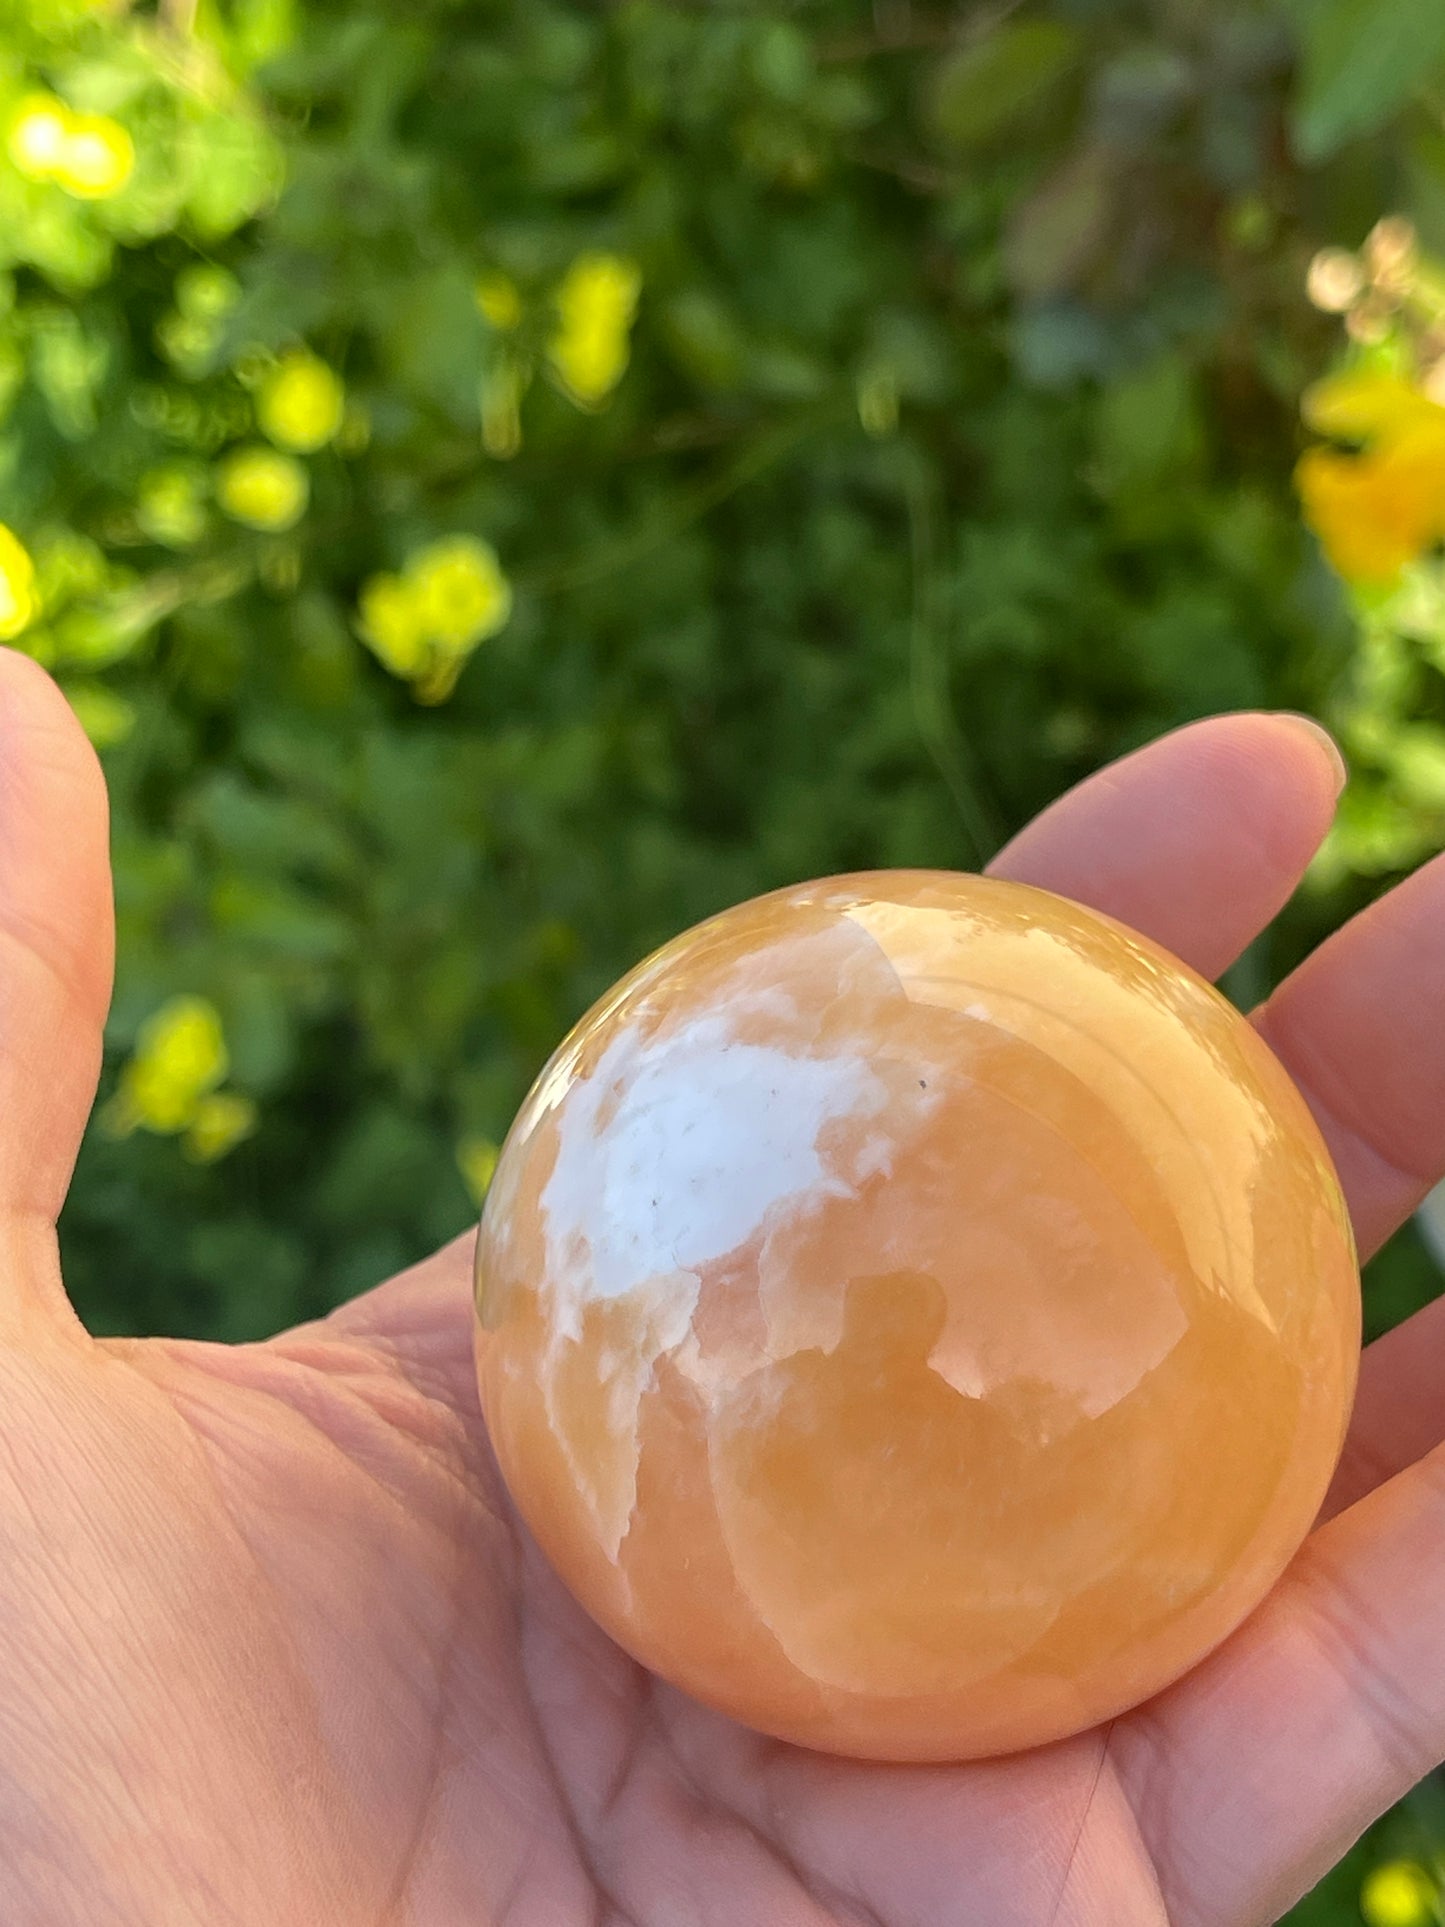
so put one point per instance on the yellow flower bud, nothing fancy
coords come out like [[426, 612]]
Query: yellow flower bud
[[18, 602], [462, 595], [180, 1055], [97, 159], [499, 301], [302, 403], [389, 618], [596, 304], [1399, 1894], [262, 488], [220, 1122], [37, 135], [422, 624]]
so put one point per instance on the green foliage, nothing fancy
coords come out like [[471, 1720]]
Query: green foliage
[[947, 454], [1363, 61], [997, 81]]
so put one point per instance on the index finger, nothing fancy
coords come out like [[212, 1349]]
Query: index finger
[[1198, 839]]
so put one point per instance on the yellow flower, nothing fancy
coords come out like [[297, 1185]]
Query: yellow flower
[[97, 159], [302, 403], [180, 1055], [1375, 513], [462, 595], [390, 620], [36, 140], [596, 304], [18, 602], [1362, 404], [264, 490], [422, 624], [499, 301], [477, 1162], [220, 1122], [90, 155], [1399, 1894]]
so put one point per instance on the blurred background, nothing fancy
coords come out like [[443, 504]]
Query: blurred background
[[500, 482]]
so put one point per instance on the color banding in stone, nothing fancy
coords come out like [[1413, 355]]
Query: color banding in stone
[[918, 1316]]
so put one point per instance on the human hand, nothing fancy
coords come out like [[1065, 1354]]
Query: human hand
[[277, 1650]]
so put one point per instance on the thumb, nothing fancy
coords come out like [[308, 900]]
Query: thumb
[[57, 946]]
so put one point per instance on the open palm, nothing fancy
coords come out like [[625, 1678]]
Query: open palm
[[277, 1651]]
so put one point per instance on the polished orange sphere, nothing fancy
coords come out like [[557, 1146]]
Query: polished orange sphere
[[917, 1315]]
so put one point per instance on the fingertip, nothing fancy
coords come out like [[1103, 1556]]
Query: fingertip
[[1328, 751], [1198, 838], [46, 756], [1268, 781], [32, 701]]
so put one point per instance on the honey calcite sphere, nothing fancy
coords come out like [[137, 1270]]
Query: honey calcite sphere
[[917, 1315]]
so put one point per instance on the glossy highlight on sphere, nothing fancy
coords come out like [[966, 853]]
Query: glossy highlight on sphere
[[917, 1315]]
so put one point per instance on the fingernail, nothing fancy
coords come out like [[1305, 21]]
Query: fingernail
[[1320, 735]]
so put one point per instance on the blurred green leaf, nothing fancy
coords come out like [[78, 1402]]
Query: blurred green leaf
[[1147, 427], [1058, 232], [984, 89], [1363, 60]]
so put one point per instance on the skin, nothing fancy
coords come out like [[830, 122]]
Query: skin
[[275, 1648]]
